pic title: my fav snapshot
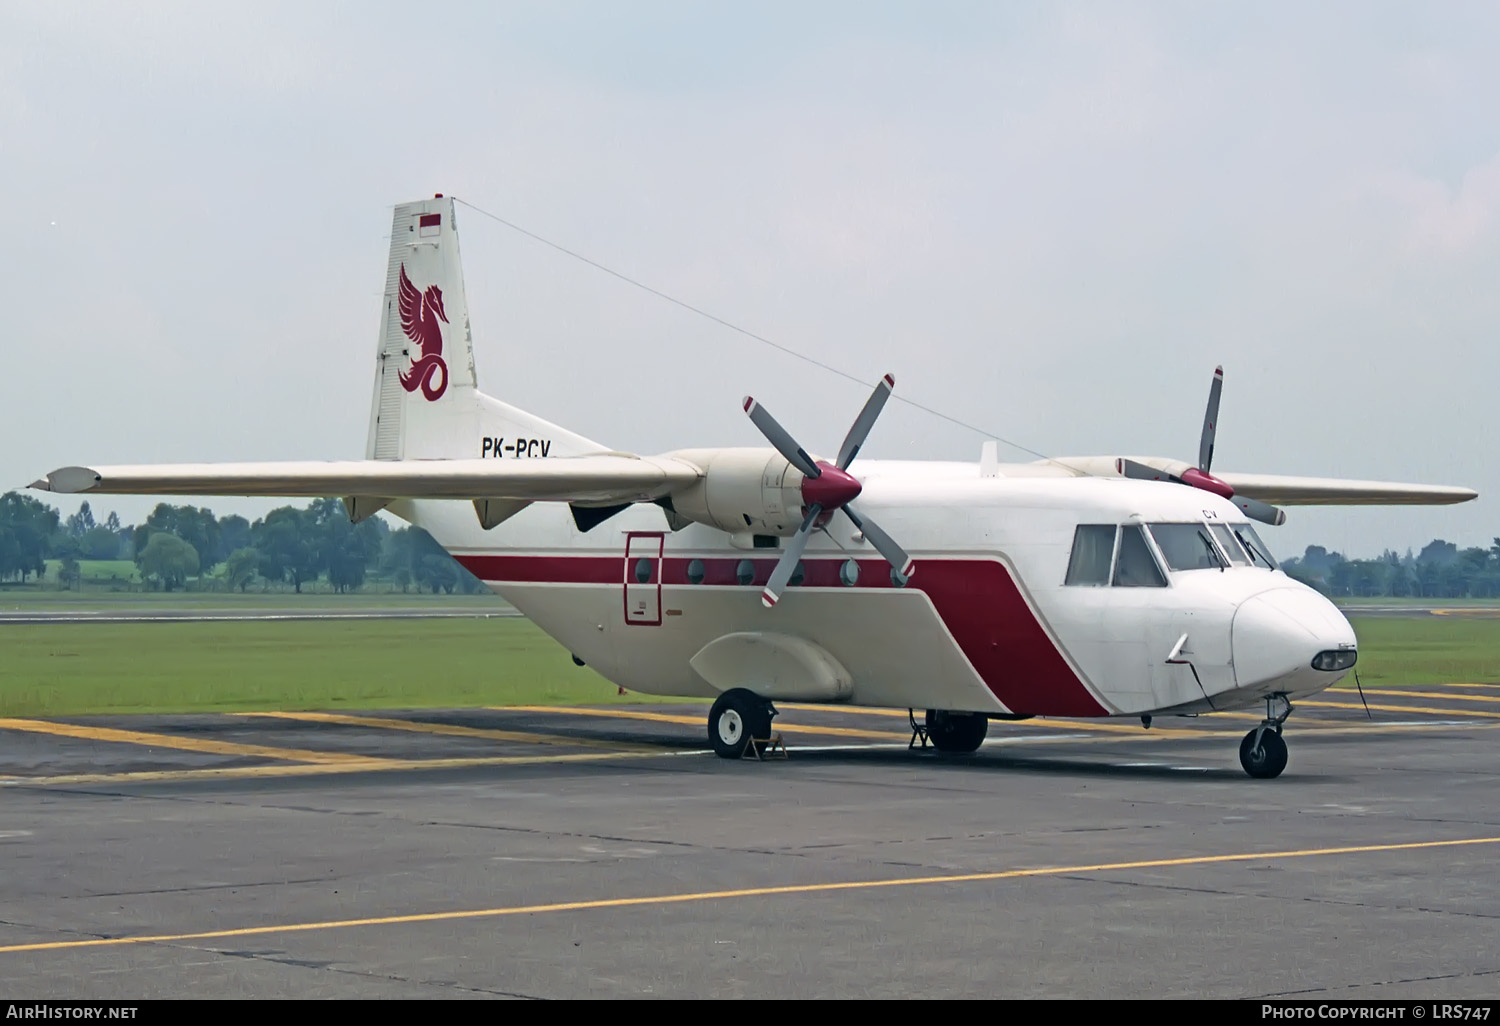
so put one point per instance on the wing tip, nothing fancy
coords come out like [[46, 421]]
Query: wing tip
[[68, 480]]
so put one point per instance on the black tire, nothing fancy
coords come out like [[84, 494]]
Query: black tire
[[737, 717], [1266, 761], [956, 732]]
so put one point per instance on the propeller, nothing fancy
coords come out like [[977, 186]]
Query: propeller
[[827, 488], [1199, 477]]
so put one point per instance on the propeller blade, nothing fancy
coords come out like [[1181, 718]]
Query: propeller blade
[[1210, 421], [777, 436], [789, 557], [884, 544], [1262, 511], [864, 422], [1141, 472]]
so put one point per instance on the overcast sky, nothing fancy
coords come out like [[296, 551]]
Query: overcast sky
[[1050, 221]]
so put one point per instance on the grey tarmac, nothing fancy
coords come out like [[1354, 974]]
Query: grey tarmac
[[566, 853]]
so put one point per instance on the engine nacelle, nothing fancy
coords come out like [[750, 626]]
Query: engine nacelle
[[753, 491]]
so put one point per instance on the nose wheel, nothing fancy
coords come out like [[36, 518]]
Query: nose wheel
[[1263, 751]]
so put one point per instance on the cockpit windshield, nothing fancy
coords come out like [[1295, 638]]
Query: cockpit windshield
[[1259, 554], [1187, 547], [1230, 546]]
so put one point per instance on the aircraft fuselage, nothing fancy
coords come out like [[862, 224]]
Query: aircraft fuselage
[[986, 623]]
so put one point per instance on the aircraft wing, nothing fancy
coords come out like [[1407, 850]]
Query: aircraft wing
[[1282, 490], [599, 478]]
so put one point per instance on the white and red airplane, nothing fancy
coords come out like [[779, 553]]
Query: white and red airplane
[[1084, 587]]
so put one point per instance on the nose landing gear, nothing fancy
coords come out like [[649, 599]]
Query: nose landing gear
[[1263, 751]]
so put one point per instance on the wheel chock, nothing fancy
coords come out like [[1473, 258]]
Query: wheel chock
[[918, 731], [761, 749]]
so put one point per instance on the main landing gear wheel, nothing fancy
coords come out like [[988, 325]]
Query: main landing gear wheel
[[738, 717], [1263, 751], [955, 731]]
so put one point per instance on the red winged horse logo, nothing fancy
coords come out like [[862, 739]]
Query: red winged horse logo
[[420, 313]]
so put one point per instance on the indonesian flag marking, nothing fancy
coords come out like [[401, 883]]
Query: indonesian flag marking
[[428, 226]]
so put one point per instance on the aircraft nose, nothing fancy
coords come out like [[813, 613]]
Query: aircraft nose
[[1279, 635]]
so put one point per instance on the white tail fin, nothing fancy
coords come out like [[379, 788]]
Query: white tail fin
[[427, 403]]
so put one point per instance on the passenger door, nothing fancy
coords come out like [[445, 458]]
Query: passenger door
[[642, 580]]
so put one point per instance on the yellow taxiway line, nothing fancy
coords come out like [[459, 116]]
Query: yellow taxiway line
[[698, 721], [1464, 713], [451, 730], [1454, 684], [1118, 731], [388, 765], [328, 764], [1445, 696], [328, 769], [186, 744], [746, 892]]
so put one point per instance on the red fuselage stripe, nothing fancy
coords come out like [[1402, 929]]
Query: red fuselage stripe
[[977, 600]]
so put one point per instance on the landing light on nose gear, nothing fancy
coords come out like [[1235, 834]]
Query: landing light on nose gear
[[1263, 752]]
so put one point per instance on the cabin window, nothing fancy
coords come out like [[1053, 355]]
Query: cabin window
[[695, 571], [1187, 547], [1259, 554], [1136, 567], [799, 574], [1093, 551], [849, 573], [1231, 547], [643, 571], [744, 572]]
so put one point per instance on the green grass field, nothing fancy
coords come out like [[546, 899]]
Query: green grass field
[[1396, 651], [20, 601], [99, 571], [73, 669], [1421, 603]]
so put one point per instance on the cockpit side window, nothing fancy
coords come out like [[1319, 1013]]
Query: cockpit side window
[[1136, 567], [1187, 546], [1259, 554], [1093, 551]]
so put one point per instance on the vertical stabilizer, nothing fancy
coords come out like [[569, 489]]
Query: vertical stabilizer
[[426, 350], [427, 404]]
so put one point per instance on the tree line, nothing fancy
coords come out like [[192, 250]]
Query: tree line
[[181, 544], [290, 546], [1439, 570]]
